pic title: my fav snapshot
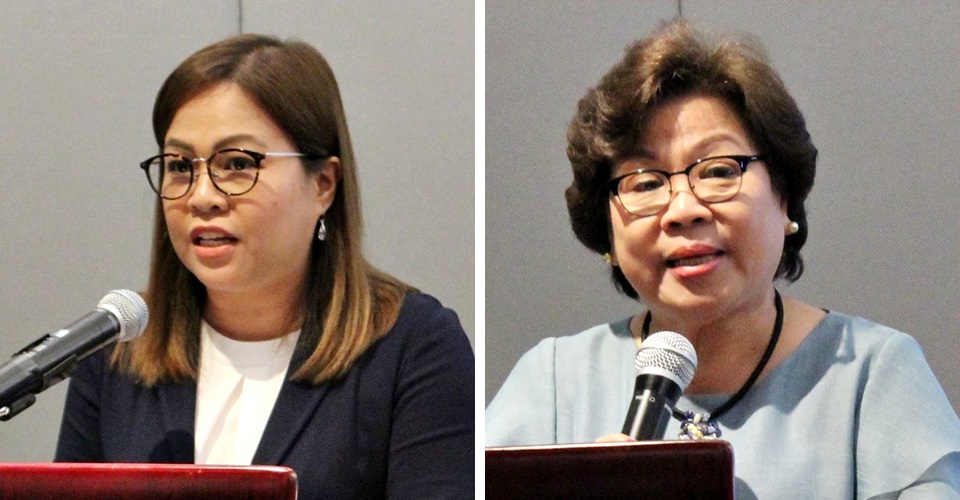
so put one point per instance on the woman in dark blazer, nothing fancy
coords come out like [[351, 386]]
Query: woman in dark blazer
[[271, 339]]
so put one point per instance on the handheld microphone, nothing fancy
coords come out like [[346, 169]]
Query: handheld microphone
[[121, 315], [665, 366]]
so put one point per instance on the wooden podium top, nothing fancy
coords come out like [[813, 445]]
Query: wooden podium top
[[648, 469], [169, 481]]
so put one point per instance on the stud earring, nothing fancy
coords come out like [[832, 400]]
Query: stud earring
[[608, 258], [321, 230], [792, 228]]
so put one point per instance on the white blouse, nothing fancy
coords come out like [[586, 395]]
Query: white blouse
[[237, 387]]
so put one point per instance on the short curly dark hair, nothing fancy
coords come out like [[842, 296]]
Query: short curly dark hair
[[676, 60]]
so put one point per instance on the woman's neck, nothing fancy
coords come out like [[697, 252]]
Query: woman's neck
[[728, 343], [254, 316], [728, 350]]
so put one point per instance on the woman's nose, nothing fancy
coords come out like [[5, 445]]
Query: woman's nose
[[684, 207], [204, 195]]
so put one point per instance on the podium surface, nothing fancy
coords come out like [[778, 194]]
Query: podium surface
[[144, 481], [648, 469]]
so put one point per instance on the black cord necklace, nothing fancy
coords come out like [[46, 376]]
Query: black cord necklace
[[700, 425]]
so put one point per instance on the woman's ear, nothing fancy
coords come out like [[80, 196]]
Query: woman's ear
[[326, 179]]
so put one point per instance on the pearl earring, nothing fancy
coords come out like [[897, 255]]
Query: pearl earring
[[792, 227]]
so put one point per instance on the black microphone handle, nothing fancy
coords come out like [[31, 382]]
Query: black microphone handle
[[81, 338], [653, 399], [18, 377], [54, 356]]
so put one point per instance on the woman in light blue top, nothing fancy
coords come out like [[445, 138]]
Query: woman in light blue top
[[691, 167]]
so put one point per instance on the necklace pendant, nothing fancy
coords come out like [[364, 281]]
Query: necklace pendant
[[696, 426]]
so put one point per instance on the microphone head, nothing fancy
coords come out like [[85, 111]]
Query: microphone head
[[668, 354], [130, 310]]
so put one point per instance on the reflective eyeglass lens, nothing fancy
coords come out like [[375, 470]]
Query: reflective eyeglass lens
[[644, 192], [234, 172], [716, 180], [170, 175]]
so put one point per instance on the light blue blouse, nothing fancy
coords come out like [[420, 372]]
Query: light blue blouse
[[854, 412]]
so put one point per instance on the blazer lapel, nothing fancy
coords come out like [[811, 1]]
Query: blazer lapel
[[178, 403], [295, 407]]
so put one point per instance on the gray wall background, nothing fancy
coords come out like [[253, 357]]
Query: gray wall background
[[879, 85], [76, 93]]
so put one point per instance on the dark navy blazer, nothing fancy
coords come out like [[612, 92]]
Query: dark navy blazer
[[400, 424]]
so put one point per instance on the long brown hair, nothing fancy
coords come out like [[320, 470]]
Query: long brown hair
[[347, 303]]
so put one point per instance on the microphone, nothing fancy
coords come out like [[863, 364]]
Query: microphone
[[665, 366], [121, 315]]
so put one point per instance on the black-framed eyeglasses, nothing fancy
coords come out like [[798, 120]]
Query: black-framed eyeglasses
[[233, 171], [712, 180]]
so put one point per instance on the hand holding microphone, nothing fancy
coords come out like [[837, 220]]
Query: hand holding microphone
[[665, 366], [121, 315]]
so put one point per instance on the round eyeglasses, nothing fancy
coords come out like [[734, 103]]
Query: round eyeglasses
[[232, 171], [712, 180]]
